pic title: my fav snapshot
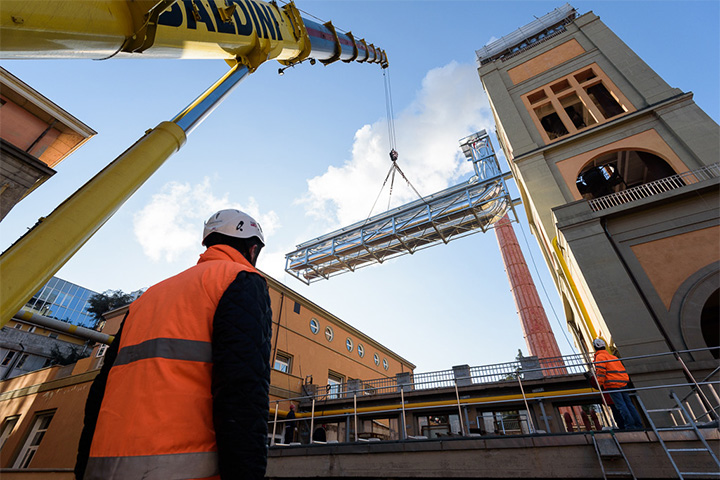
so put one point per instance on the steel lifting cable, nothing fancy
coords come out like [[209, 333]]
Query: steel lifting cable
[[390, 115]]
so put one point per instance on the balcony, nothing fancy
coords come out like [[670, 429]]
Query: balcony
[[657, 187]]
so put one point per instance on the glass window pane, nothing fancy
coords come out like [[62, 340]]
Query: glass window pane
[[314, 326]]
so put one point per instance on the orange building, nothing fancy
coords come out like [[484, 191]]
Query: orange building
[[41, 412], [35, 135]]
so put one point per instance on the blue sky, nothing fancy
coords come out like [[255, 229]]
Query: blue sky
[[306, 153]]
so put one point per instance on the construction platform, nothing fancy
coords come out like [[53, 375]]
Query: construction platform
[[470, 207]]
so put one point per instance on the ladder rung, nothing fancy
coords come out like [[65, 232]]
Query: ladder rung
[[663, 410], [617, 474], [686, 450], [707, 474]]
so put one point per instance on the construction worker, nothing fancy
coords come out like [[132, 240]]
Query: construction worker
[[183, 392], [290, 425], [612, 377]]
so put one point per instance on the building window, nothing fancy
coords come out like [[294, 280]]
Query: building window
[[7, 428], [296, 307], [385, 364], [18, 326], [329, 334], [32, 328], [349, 344], [23, 359], [361, 350], [102, 349], [283, 362], [573, 103], [53, 335], [334, 386], [40, 426], [376, 359], [314, 326], [8, 358]]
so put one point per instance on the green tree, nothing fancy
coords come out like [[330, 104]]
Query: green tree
[[106, 301], [72, 355]]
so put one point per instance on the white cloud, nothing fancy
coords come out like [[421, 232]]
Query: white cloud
[[450, 105], [170, 226]]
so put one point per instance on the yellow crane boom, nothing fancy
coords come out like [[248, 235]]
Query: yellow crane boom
[[245, 33]]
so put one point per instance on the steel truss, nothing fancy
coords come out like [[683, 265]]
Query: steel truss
[[452, 213]]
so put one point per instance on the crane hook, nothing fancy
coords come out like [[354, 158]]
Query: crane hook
[[393, 155]]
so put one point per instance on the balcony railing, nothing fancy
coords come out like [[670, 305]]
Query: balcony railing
[[527, 368], [347, 420], [655, 188]]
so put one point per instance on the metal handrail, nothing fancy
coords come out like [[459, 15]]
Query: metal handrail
[[396, 410], [569, 365], [656, 187]]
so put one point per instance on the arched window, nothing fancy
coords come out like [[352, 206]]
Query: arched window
[[617, 171], [710, 323]]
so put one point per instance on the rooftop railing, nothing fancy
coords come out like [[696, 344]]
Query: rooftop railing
[[655, 188], [702, 400]]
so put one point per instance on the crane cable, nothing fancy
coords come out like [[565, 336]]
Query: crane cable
[[390, 115]]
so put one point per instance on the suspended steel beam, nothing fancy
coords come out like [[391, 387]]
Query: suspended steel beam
[[452, 213]]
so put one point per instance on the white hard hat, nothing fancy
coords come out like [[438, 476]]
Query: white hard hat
[[233, 223], [599, 343]]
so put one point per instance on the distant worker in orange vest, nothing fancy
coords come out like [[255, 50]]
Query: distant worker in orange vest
[[611, 377], [183, 392]]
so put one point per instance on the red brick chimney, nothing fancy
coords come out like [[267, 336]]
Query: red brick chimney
[[539, 337]]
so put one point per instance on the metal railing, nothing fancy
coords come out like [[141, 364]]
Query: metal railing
[[525, 368], [655, 188], [315, 407]]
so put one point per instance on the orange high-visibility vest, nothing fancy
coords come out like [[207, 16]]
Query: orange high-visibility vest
[[156, 417], [610, 371]]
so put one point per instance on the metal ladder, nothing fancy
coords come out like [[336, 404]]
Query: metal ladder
[[689, 426], [608, 449]]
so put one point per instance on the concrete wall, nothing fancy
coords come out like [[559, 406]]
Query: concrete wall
[[567, 456]]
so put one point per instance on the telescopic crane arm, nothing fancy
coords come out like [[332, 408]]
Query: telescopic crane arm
[[245, 33]]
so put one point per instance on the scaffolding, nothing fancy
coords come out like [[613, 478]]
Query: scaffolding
[[452, 213]]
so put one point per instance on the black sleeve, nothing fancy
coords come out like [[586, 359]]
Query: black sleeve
[[241, 377], [92, 406]]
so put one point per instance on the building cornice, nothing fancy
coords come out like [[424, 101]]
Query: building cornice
[[22, 90]]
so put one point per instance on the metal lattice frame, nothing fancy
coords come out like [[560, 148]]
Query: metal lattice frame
[[452, 213]]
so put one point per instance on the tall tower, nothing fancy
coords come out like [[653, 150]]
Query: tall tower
[[619, 177], [539, 337]]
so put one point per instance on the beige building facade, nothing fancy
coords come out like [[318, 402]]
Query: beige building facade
[[619, 177]]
